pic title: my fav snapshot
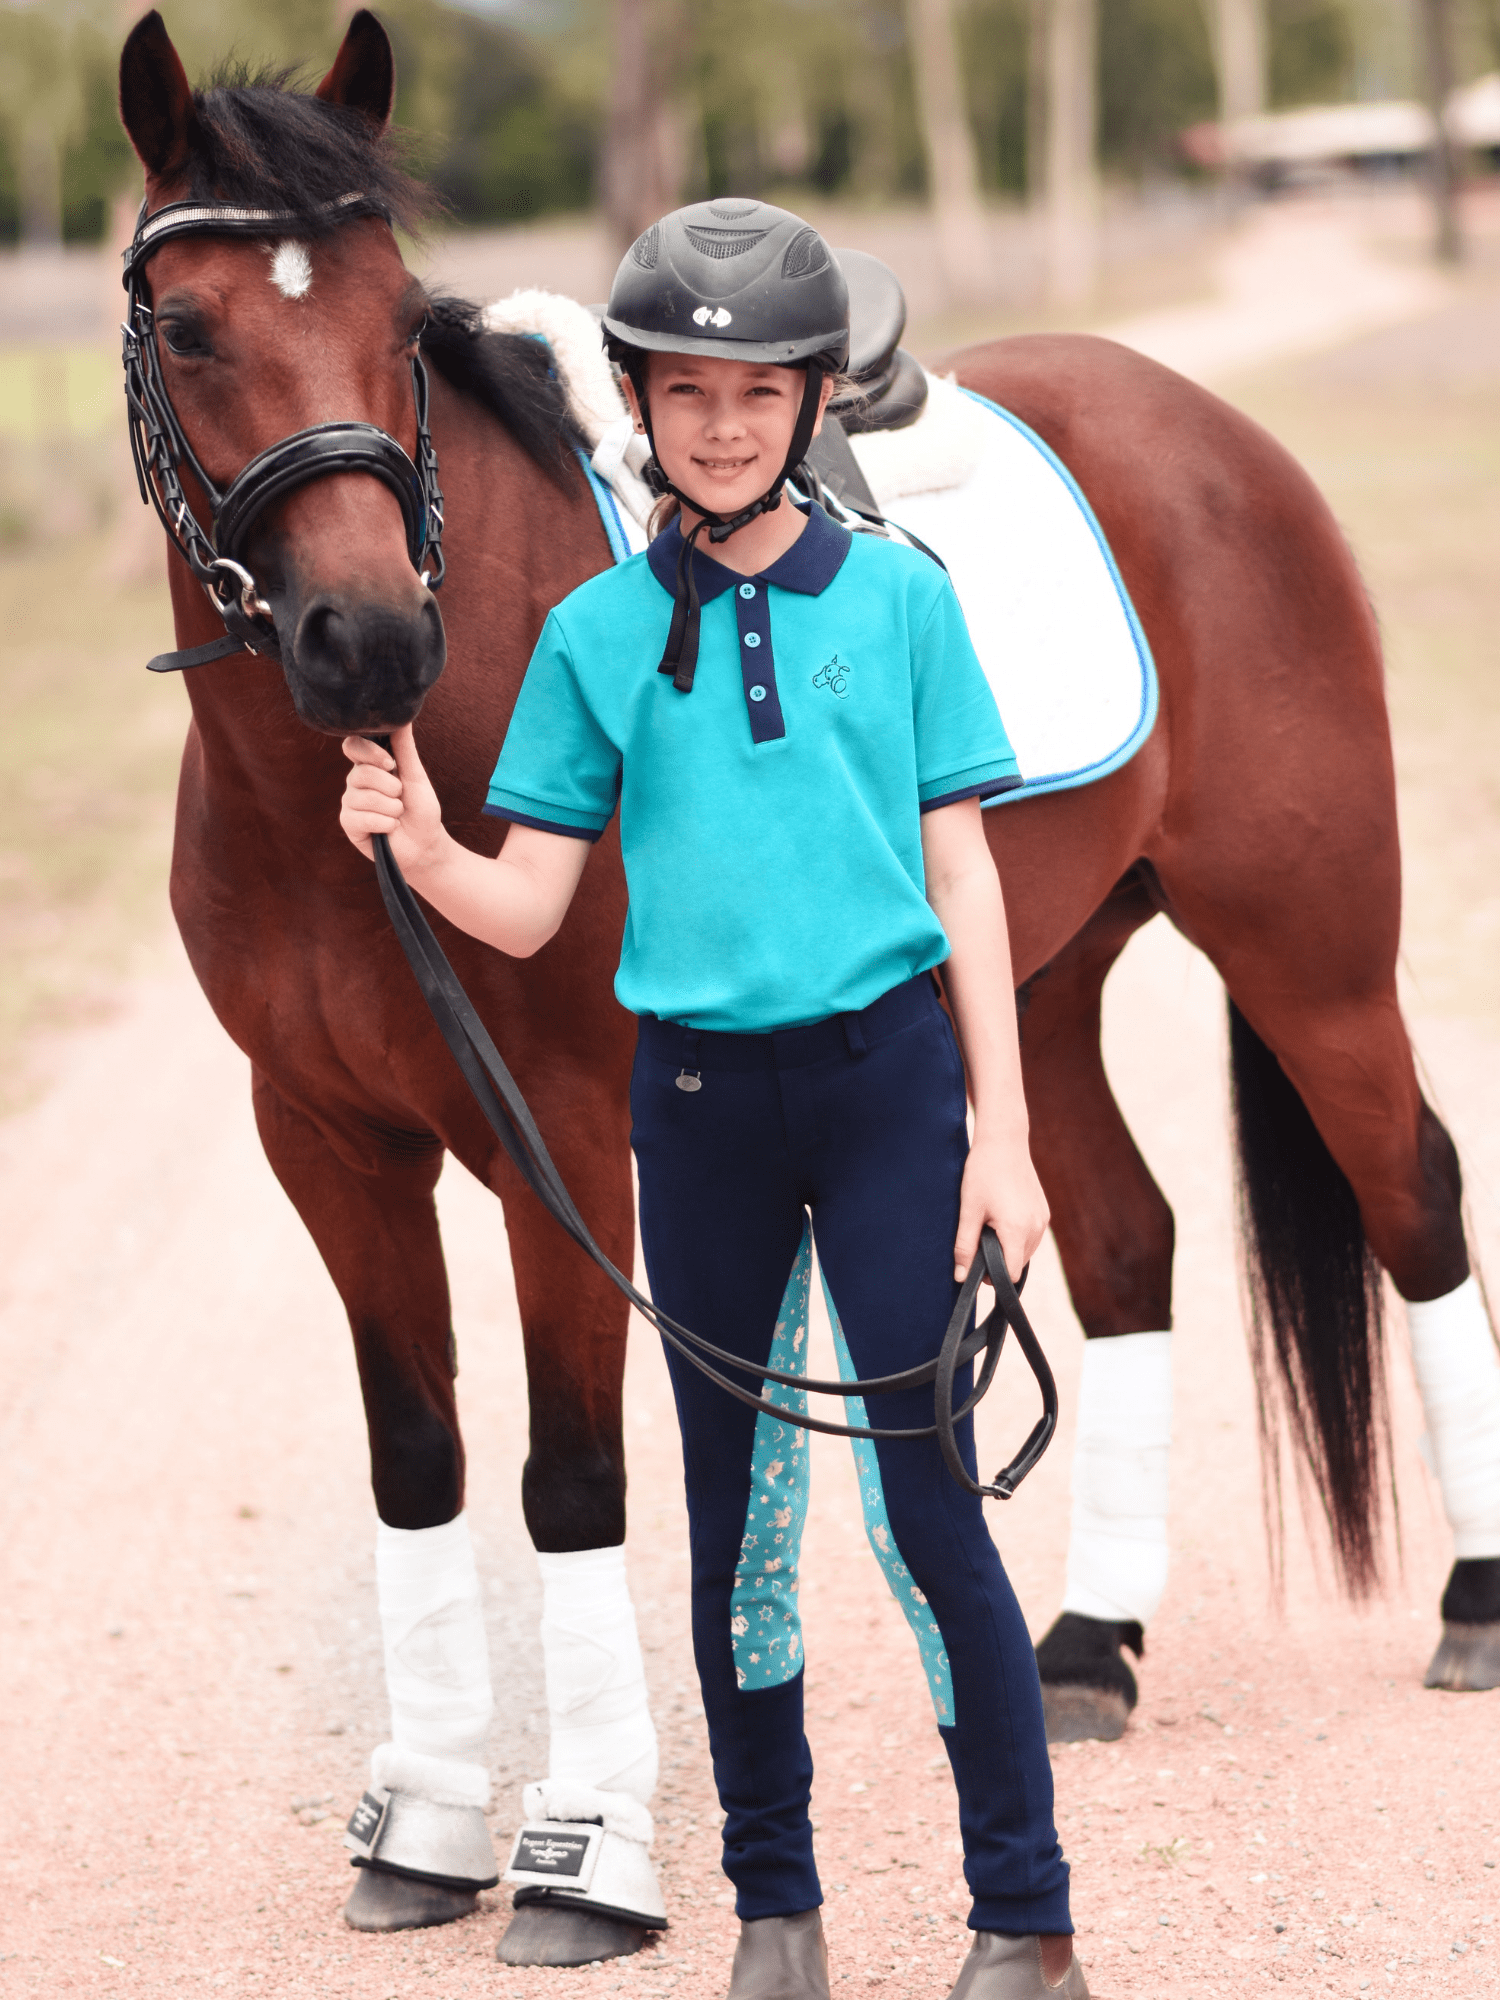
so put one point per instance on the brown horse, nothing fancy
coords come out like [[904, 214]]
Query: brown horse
[[1259, 817]]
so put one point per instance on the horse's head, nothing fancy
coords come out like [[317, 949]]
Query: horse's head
[[260, 337]]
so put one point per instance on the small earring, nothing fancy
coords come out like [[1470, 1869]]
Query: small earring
[[642, 429]]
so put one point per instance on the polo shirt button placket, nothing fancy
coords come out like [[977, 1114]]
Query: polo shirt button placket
[[757, 664]]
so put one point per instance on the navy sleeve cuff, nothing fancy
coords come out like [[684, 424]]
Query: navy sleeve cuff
[[988, 788], [588, 833]]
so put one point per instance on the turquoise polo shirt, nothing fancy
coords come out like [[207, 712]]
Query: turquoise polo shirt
[[770, 819]]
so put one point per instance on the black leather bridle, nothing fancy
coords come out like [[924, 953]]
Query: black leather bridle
[[161, 449]]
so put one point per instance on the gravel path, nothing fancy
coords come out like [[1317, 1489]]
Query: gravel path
[[190, 1659], [191, 1650]]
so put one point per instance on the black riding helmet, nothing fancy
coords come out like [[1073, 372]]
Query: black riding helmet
[[738, 281]]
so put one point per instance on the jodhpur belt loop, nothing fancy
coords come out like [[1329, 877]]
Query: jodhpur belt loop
[[690, 1076]]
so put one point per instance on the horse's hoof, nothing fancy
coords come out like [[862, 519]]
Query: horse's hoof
[[562, 1934], [1087, 1689], [1467, 1660], [381, 1901], [1084, 1715]]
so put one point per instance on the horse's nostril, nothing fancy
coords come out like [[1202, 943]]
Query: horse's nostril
[[322, 640], [373, 650]]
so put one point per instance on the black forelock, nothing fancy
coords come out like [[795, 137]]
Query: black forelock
[[263, 142]]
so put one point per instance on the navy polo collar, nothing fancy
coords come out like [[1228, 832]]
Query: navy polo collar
[[809, 565]]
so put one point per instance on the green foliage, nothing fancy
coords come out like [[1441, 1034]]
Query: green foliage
[[798, 93], [1312, 52], [502, 137], [101, 163], [1156, 76], [996, 53]]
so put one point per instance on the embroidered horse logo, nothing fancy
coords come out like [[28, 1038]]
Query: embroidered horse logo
[[834, 675]]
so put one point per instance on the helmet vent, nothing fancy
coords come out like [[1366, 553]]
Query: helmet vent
[[805, 255], [722, 243], [733, 211], [647, 248]]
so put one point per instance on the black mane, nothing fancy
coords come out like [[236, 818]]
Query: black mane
[[512, 375], [262, 143]]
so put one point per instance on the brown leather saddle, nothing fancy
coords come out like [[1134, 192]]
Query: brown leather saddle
[[891, 390]]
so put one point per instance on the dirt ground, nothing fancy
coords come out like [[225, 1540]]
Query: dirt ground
[[190, 1664]]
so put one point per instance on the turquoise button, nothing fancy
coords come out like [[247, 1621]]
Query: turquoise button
[[757, 693], [747, 590], [752, 638]]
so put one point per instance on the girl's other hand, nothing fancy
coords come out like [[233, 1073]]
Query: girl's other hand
[[1000, 1187], [391, 795]]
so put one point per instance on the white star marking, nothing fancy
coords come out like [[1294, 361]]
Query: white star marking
[[291, 270]]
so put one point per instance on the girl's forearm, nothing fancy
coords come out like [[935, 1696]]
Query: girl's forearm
[[502, 902]]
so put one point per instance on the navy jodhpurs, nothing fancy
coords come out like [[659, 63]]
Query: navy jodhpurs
[[859, 1120]]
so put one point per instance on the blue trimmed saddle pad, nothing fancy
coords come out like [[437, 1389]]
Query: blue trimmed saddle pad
[[1047, 610]]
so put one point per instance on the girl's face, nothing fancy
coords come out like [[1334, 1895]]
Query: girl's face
[[722, 428]]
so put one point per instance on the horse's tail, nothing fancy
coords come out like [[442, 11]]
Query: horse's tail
[[1316, 1336]]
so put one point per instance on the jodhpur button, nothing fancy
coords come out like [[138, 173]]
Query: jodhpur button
[[747, 590], [752, 638], [757, 693]]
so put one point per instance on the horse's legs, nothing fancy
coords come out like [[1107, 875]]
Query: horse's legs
[[602, 1747], [1328, 1102], [1114, 1234], [378, 1235]]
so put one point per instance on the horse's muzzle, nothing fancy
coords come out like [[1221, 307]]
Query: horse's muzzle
[[354, 665]]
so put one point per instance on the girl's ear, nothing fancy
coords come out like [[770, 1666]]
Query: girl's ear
[[634, 402], [825, 397]]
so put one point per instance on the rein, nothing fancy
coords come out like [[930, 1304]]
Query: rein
[[509, 1118], [160, 448]]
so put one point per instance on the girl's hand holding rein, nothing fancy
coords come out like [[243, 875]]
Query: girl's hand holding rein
[[392, 795], [514, 902]]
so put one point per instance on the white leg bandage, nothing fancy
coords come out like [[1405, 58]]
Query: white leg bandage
[[1458, 1373], [1117, 1553], [437, 1665], [602, 1733]]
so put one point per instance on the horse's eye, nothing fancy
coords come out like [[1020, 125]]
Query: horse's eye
[[182, 338]]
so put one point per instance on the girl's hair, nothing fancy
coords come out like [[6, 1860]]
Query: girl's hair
[[845, 390]]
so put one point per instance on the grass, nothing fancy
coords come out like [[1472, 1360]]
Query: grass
[[88, 762]]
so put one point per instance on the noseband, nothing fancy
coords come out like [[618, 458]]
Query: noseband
[[160, 449]]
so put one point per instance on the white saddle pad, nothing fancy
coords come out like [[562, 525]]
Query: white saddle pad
[[1046, 608]]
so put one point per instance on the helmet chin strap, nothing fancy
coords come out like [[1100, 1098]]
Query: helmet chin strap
[[680, 659]]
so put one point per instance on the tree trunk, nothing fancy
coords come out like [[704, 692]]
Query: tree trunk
[[1237, 30], [640, 176], [1072, 187], [1437, 42], [963, 238]]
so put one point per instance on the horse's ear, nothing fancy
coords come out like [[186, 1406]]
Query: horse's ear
[[364, 71], [156, 102]]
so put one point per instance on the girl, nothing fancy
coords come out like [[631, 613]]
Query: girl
[[799, 786]]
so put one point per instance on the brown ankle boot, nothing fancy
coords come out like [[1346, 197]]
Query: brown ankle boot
[[1000, 1967], [781, 1958]]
